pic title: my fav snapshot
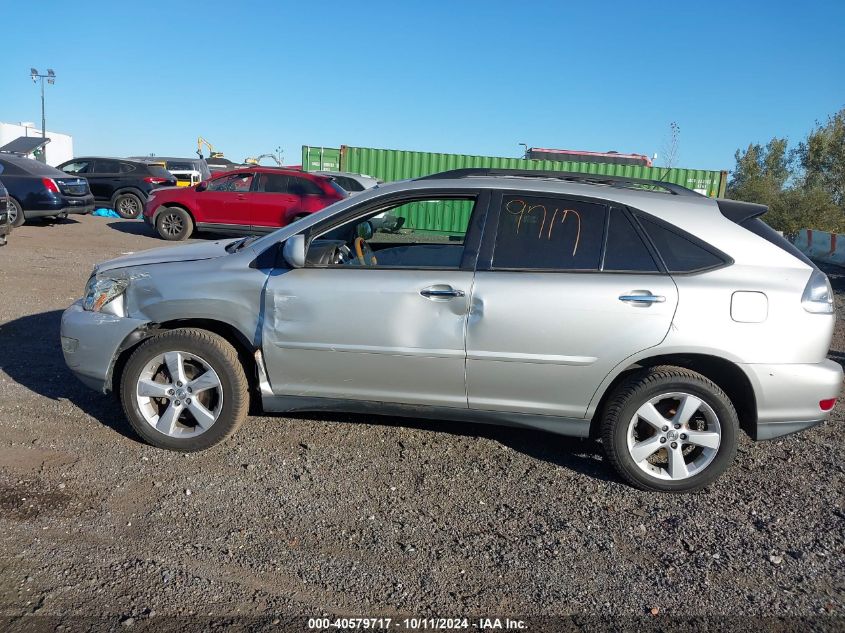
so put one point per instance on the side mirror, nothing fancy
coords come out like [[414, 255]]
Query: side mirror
[[202, 186], [365, 229], [294, 251]]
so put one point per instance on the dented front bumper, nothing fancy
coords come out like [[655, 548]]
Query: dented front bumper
[[91, 342]]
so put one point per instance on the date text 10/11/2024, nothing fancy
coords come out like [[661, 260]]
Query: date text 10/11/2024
[[418, 624]]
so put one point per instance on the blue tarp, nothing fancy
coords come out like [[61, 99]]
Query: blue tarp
[[105, 213]]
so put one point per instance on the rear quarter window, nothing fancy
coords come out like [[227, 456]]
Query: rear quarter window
[[680, 253], [348, 183], [159, 172]]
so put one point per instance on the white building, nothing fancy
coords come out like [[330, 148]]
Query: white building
[[59, 149]]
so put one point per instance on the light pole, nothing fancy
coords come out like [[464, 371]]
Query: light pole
[[51, 79]]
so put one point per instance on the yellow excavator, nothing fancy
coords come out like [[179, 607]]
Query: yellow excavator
[[211, 153], [255, 160]]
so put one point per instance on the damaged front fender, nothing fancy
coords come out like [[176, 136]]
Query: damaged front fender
[[91, 341]]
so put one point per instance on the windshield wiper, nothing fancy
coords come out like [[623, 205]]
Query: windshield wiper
[[234, 247]]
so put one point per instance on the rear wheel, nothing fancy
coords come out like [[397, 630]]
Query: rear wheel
[[185, 390], [128, 206], [174, 224], [16, 216], [669, 429]]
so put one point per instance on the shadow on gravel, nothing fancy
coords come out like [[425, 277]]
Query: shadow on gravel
[[31, 354], [580, 455], [51, 221], [132, 227]]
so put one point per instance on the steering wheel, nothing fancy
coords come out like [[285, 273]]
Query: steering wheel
[[364, 252]]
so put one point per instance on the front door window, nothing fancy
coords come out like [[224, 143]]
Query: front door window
[[421, 234]]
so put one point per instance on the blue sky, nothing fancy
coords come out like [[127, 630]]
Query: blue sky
[[451, 76]]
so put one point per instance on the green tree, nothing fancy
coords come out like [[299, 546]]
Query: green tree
[[761, 172], [799, 208], [822, 158], [803, 188]]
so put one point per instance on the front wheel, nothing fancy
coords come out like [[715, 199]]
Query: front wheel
[[184, 390], [669, 429], [174, 224]]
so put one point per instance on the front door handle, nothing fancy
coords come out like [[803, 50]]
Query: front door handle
[[642, 298], [441, 291]]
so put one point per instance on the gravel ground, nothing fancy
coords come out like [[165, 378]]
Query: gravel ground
[[367, 516]]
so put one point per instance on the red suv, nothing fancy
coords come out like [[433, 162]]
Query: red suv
[[253, 200]]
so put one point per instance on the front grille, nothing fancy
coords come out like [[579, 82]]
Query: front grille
[[73, 186]]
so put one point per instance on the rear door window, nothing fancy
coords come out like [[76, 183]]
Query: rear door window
[[549, 233], [624, 250], [273, 183], [103, 166], [303, 187]]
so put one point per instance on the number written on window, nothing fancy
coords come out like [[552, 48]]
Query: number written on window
[[549, 234]]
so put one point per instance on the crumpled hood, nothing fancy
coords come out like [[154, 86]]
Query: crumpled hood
[[167, 254]]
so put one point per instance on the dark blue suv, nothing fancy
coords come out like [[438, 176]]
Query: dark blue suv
[[37, 190]]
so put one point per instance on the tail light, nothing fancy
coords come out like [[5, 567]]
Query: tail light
[[155, 180], [818, 295], [50, 185]]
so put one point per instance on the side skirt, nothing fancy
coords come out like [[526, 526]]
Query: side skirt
[[234, 229], [574, 427]]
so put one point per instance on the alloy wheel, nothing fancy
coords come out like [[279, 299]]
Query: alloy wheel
[[172, 224], [128, 206], [674, 436], [179, 394]]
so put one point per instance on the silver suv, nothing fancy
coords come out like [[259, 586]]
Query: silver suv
[[639, 312]]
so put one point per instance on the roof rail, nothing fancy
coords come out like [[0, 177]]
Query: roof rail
[[571, 176]]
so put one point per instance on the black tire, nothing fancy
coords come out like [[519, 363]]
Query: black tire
[[645, 385], [16, 213], [128, 205], [174, 224], [220, 356]]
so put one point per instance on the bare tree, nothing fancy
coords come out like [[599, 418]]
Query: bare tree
[[671, 146]]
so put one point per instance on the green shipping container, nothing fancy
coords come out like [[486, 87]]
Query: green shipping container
[[320, 158], [389, 165]]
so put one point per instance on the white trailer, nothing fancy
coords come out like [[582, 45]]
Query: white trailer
[[58, 150]]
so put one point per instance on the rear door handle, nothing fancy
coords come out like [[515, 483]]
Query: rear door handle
[[441, 291], [643, 298]]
